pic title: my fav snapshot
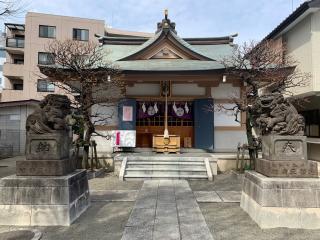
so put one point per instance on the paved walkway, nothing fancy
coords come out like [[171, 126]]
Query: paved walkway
[[166, 209]]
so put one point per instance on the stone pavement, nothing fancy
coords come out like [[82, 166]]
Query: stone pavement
[[114, 201], [166, 209]]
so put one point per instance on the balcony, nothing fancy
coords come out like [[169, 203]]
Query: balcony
[[15, 42], [15, 45], [13, 70]]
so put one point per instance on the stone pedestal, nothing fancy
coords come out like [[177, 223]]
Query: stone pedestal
[[281, 202], [43, 201], [46, 155], [285, 156]]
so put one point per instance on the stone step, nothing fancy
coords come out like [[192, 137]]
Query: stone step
[[165, 158], [166, 168], [164, 176], [167, 173], [164, 163], [160, 172]]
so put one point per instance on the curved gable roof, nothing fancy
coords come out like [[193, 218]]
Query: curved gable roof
[[172, 37]]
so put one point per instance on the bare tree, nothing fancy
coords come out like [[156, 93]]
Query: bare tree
[[261, 67], [80, 70], [11, 7]]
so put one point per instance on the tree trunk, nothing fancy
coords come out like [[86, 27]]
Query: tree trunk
[[251, 146], [88, 125]]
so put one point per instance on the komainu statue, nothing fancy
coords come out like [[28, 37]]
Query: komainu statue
[[51, 116], [276, 115]]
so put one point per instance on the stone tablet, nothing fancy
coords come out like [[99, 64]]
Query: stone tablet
[[50, 146], [278, 148]]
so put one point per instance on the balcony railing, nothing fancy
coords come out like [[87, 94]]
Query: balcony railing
[[15, 42]]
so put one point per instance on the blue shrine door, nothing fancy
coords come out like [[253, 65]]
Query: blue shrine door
[[203, 124]]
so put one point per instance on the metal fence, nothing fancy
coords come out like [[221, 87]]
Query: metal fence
[[12, 142]]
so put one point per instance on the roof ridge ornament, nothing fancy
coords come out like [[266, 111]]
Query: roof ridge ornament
[[166, 25]]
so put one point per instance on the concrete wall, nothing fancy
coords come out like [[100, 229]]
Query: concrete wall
[[13, 131]]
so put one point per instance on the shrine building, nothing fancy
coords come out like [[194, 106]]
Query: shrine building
[[191, 71]]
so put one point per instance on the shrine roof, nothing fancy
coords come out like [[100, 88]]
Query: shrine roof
[[187, 54], [168, 65], [116, 52]]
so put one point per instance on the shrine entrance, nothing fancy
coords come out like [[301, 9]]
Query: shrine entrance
[[151, 121]]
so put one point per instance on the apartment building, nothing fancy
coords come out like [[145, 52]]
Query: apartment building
[[23, 86], [2, 58], [300, 34], [26, 48]]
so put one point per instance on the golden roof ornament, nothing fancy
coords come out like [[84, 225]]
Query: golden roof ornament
[[166, 24]]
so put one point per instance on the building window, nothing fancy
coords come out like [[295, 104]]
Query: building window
[[44, 86], [80, 34], [18, 86], [18, 61], [47, 31], [312, 120], [45, 58]]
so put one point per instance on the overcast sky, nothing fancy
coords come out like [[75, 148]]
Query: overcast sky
[[252, 19]]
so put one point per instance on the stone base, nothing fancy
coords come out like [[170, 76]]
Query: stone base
[[44, 167], [289, 168], [43, 201], [281, 202]]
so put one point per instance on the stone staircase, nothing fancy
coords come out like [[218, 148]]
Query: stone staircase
[[165, 167]]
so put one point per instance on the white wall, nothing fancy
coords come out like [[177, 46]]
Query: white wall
[[224, 118], [107, 114], [225, 91], [104, 145], [187, 90], [143, 89], [227, 141]]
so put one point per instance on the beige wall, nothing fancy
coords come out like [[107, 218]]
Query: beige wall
[[302, 43], [34, 44], [315, 39], [299, 46]]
